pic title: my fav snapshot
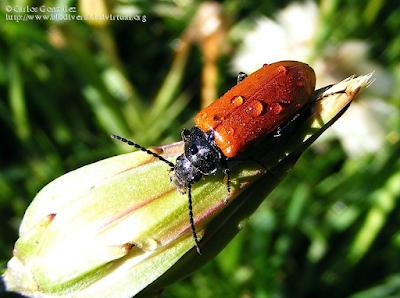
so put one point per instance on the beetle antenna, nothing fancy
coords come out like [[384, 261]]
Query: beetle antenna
[[130, 143], [192, 227]]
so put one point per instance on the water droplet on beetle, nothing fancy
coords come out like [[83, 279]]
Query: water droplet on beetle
[[276, 108], [255, 109], [237, 101], [281, 69]]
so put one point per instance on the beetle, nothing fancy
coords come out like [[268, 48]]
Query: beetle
[[256, 106]]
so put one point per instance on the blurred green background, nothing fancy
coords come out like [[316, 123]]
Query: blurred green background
[[330, 229]]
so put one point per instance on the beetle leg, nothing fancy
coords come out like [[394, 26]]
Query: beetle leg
[[326, 95], [227, 181], [241, 76]]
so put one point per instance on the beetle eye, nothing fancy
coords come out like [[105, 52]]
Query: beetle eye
[[193, 149]]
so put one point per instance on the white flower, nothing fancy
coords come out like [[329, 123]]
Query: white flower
[[289, 38]]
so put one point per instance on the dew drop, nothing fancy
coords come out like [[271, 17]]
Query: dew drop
[[237, 101], [276, 108], [255, 109], [281, 69], [148, 244], [242, 224]]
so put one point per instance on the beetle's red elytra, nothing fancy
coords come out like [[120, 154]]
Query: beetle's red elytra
[[257, 105], [253, 108]]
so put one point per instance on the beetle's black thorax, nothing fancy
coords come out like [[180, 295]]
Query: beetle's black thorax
[[201, 158]]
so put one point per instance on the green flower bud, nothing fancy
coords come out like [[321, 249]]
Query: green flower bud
[[118, 227]]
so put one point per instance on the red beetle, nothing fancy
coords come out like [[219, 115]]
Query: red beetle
[[255, 107]]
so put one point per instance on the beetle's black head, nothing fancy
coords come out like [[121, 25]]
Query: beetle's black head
[[201, 158]]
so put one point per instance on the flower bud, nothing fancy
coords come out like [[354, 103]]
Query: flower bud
[[118, 227]]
